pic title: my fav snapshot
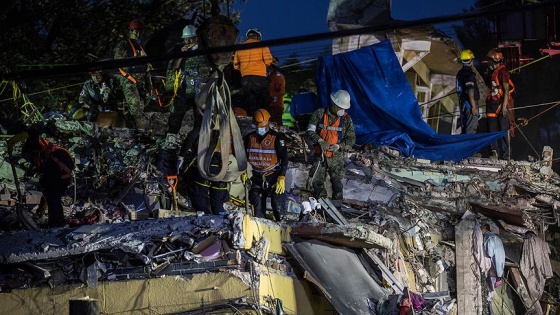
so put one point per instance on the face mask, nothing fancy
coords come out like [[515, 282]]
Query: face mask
[[261, 131], [340, 113]]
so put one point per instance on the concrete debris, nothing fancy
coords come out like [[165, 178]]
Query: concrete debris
[[405, 229]]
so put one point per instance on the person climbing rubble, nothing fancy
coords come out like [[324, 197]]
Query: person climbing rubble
[[252, 63], [268, 155], [331, 130], [55, 165], [133, 78], [185, 79]]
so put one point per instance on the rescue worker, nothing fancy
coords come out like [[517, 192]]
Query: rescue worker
[[205, 195], [499, 102], [133, 78], [55, 165], [277, 89], [331, 130], [287, 119], [468, 93], [252, 63], [100, 93], [185, 79], [268, 155]]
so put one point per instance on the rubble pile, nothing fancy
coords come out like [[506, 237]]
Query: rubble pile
[[406, 227]]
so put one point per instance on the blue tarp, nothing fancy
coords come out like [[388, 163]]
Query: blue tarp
[[384, 109]]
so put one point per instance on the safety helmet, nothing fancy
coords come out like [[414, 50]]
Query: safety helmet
[[252, 31], [261, 117], [341, 98], [466, 55], [495, 54], [189, 31], [137, 25]]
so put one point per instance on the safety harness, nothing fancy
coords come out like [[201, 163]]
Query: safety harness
[[496, 92], [129, 76]]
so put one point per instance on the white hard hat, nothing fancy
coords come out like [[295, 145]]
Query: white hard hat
[[189, 31], [341, 98], [253, 31]]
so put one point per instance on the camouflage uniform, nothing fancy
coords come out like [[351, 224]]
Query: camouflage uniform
[[195, 71], [333, 166], [131, 90], [92, 94]]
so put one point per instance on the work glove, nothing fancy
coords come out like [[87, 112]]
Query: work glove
[[334, 148], [323, 144], [180, 162], [244, 177], [280, 184]]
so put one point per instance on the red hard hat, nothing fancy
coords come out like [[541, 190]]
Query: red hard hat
[[495, 54], [239, 112], [136, 25]]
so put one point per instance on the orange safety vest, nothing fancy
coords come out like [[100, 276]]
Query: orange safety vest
[[262, 155], [332, 134], [129, 76], [45, 153], [496, 92]]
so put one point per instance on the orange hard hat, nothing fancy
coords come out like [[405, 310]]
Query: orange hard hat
[[261, 117], [495, 54]]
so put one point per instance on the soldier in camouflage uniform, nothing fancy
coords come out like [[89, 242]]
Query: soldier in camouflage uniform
[[132, 78], [185, 79], [332, 132], [100, 93]]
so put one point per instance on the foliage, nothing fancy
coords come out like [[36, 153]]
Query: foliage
[[43, 33]]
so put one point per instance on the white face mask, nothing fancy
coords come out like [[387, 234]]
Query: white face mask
[[261, 131], [340, 113]]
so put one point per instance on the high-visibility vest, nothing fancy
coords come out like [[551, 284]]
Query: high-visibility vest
[[45, 153], [262, 155], [496, 92], [332, 134], [287, 119]]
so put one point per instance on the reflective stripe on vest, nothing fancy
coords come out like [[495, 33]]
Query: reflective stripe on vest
[[332, 134], [287, 119], [262, 155]]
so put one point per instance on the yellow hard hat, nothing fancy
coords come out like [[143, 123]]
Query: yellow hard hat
[[466, 55]]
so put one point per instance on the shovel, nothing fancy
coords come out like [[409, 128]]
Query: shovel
[[23, 217]]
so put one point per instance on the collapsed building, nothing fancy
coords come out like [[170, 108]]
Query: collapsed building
[[409, 236]]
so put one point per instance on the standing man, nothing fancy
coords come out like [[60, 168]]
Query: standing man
[[467, 90], [185, 79], [332, 132], [499, 102], [277, 89], [55, 165], [252, 63], [133, 78], [268, 155], [98, 94]]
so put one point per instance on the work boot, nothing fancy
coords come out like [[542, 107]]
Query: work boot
[[494, 155]]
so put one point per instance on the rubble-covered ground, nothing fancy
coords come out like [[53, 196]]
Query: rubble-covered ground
[[401, 216]]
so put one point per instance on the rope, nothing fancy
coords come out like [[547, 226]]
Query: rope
[[35, 93], [219, 129]]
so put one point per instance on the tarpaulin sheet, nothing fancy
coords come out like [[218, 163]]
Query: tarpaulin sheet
[[384, 109]]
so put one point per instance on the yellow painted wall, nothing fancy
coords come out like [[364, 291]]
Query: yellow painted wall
[[163, 295], [275, 233]]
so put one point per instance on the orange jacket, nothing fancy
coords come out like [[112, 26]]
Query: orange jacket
[[252, 61]]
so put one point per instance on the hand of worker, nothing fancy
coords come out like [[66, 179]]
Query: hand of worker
[[323, 144], [244, 177], [180, 162], [504, 110], [280, 184], [334, 148]]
